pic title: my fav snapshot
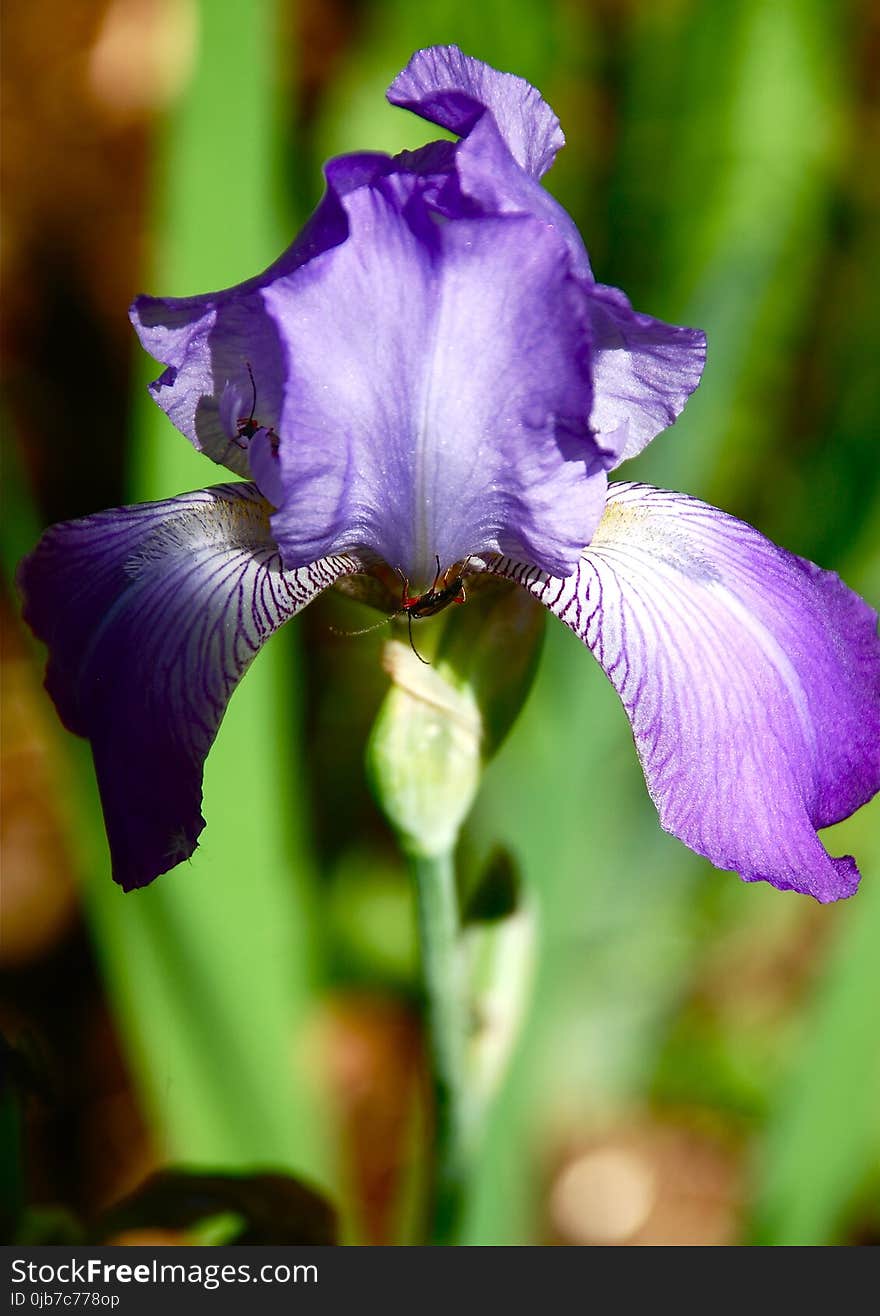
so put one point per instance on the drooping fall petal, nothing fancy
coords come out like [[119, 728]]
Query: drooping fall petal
[[751, 679], [152, 615]]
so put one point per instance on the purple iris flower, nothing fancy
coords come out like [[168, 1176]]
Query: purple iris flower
[[432, 374]]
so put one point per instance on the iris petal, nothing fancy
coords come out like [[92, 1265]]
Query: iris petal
[[751, 679], [257, 374], [438, 392], [492, 181], [453, 90], [644, 371], [152, 615], [209, 341]]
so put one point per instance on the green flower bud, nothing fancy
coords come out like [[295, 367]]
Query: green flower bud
[[441, 723]]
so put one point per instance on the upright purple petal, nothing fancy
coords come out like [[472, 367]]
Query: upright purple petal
[[490, 179], [209, 341], [751, 679], [453, 90], [258, 376], [438, 392], [644, 371], [152, 615]]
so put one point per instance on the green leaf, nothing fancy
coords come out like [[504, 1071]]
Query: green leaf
[[823, 1137]]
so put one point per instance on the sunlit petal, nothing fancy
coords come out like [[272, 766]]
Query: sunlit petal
[[438, 392], [644, 371], [152, 615], [453, 90], [751, 679]]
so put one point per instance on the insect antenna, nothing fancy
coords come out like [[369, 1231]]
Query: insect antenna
[[412, 641], [365, 630]]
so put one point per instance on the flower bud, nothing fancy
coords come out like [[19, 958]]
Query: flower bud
[[441, 723]]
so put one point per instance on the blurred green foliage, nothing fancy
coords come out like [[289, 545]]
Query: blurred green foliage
[[226, 955], [715, 168]]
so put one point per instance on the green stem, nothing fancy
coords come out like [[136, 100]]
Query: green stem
[[446, 1036]]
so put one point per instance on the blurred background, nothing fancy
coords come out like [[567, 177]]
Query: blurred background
[[701, 1062]]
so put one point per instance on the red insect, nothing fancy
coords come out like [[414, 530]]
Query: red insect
[[433, 600], [428, 604], [247, 426]]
